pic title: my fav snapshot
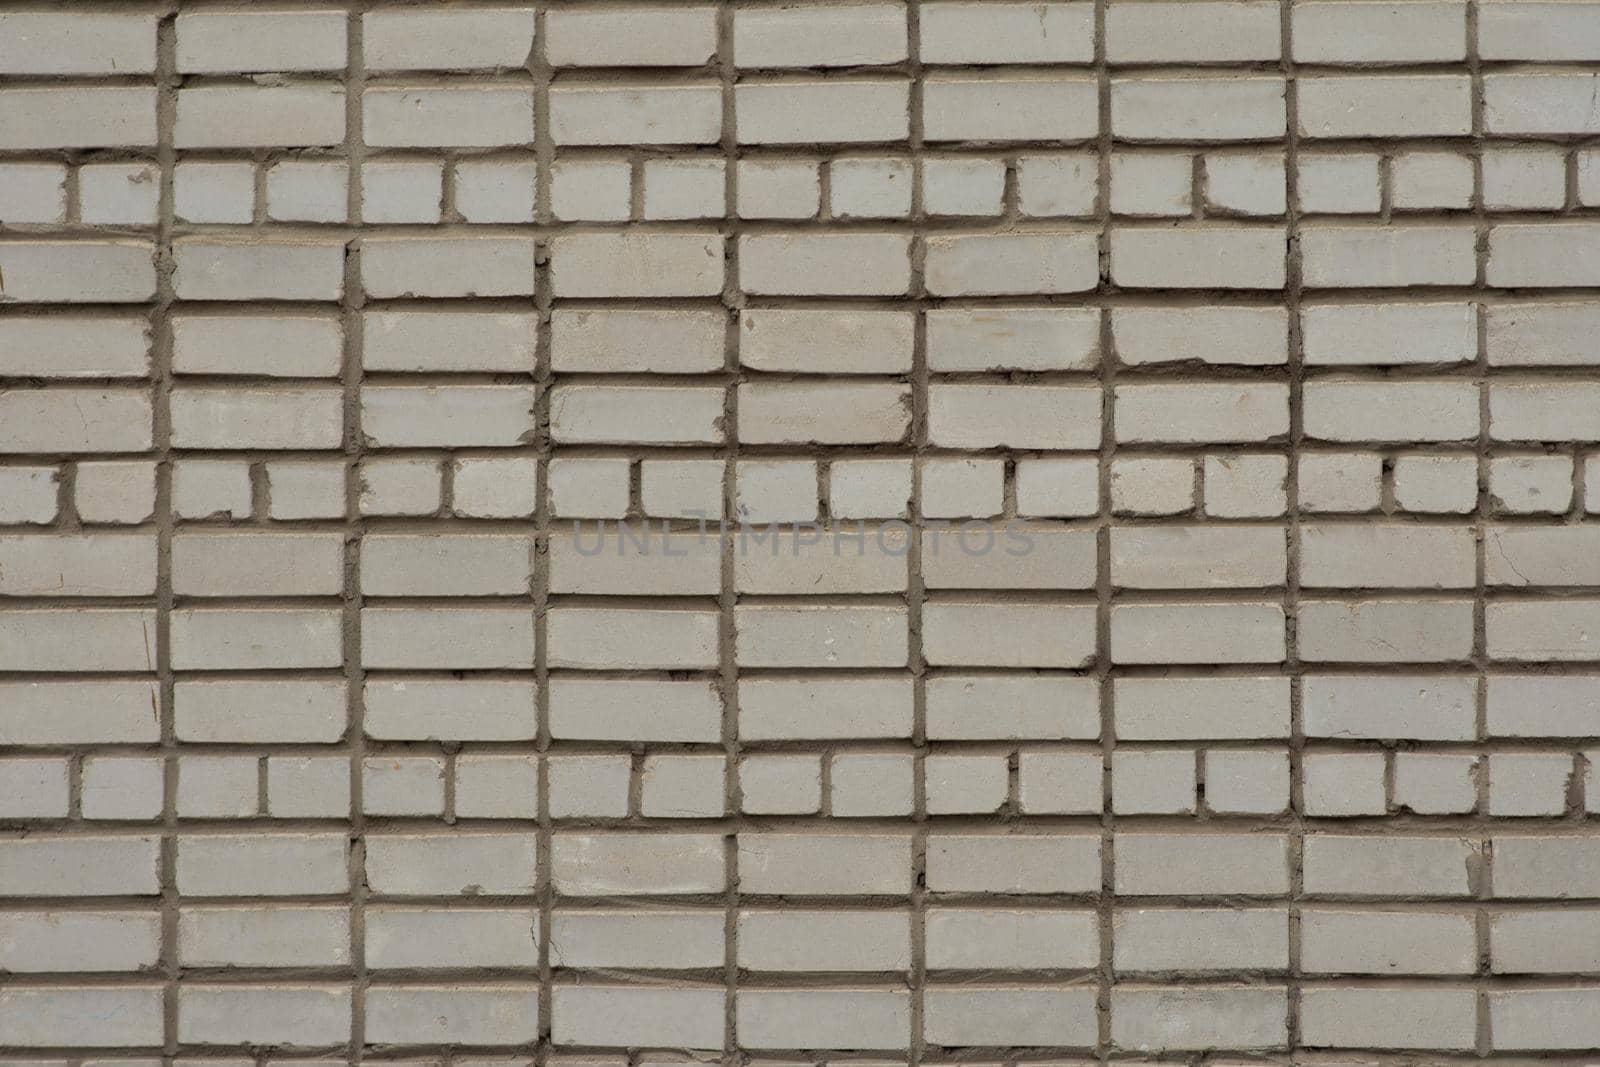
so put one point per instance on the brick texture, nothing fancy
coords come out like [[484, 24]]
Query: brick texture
[[941, 531]]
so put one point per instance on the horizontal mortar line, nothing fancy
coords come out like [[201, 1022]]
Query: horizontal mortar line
[[492, 975], [886, 827], [878, 906]]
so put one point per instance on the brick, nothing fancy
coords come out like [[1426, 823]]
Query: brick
[[828, 413], [401, 416], [1152, 486], [1435, 785], [1197, 633], [973, 33], [1197, 557], [1162, 709], [617, 114], [819, 342], [1383, 867], [1036, 417], [631, 639], [79, 712], [1247, 782], [1365, 334], [1541, 942], [1368, 106], [1247, 185], [1233, 258], [1013, 635], [78, 271], [47, 866], [636, 340], [581, 414], [118, 193], [963, 187], [446, 40], [1225, 32], [1402, 411], [1151, 1019], [972, 265], [1013, 864], [280, 936], [1541, 630], [1343, 257], [225, 42], [96, 941], [233, 116], [483, 710], [1541, 413], [1364, 1017], [636, 265], [281, 346], [1529, 706], [605, 937], [1412, 707], [74, 42], [854, 36], [1537, 867], [92, 1016], [819, 706], [646, 37], [452, 117], [97, 117], [1057, 108], [447, 267], [437, 865], [260, 864], [1366, 33], [789, 941], [291, 417], [1387, 557], [73, 347], [210, 269], [447, 637], [111, 565], [984, 1015], [1544, 103], [487, 1014], [1522, 1018], [458, 565], [38, 192], [1538, 31], [672, 1016], [857, 264], [622, 864], [34, 788], [1386, 631], [1516, 556], [812, 112], [1153, 864], [86, 639], [1201, 413], [1250, 336], [1523, 255], [31, 492], [253, 1014], [1197, 109], [984, 938]]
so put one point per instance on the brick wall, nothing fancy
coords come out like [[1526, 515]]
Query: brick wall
[[927, 533]]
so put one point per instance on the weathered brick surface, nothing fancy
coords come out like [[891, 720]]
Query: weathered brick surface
[[889, 531]]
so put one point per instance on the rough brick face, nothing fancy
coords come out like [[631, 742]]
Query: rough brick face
[[850, 532]]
